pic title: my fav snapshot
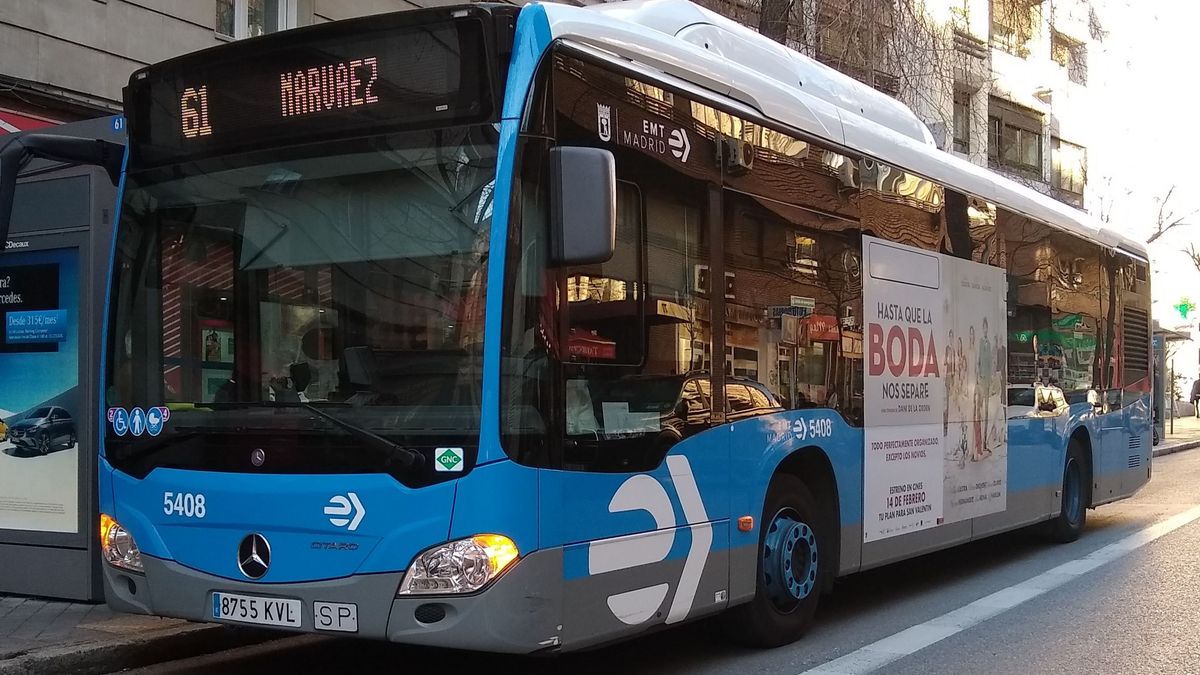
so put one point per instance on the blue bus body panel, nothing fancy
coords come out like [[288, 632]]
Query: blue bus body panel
[[580, 506], [498, 498], [531, 40], [1035, 444], [760, 444], [396, 522], [104, 482]]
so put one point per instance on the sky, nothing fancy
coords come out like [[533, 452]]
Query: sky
[[1148, 104], [1150, 138]]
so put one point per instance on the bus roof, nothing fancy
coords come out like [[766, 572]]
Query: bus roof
[[705, 49]]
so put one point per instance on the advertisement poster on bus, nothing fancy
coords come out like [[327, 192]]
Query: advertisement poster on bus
[[976, 428], [935, 431], [39, 391], [904, 306]]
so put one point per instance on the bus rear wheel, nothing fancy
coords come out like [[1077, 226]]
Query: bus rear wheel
[[1075, 497], [793, 564]]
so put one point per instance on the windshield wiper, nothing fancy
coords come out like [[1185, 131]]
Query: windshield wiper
[[407, 457]]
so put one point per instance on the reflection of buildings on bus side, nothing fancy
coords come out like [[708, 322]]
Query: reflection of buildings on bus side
[[793, 217], [1075, 315]]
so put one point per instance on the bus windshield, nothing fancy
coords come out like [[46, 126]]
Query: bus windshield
[[347, 275]]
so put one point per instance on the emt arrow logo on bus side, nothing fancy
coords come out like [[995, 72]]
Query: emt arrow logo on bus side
[[345, 505], [680, 146], [646, 493]]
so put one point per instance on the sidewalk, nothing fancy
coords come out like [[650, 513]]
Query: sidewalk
[[1186, 436], [49, 636]]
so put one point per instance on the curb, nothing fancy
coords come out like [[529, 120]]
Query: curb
[[1170, 449], [95, 657]]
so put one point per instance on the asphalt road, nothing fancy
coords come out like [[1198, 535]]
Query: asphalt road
[[1125, 598]]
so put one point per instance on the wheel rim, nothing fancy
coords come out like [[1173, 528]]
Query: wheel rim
[[44, 444], [790, 560], [1071, 492]]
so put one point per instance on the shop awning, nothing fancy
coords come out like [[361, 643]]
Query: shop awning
[[11, 122]]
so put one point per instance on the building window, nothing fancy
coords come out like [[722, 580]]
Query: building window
[[1013, 23], [250, 18], [802, 254], [1015, 138], [1070, 168], [1071, 55], [856, 37], [962, 121]]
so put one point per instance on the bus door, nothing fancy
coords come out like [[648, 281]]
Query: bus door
[[641, 498], [1111, 423], [1114, 441], [636, 489]]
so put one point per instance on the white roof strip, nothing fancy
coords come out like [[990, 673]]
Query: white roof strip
[[693, 44]]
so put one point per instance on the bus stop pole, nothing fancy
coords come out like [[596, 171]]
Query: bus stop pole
[[1171, 390]]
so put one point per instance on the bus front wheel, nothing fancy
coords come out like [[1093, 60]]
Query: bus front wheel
[[793, 563]]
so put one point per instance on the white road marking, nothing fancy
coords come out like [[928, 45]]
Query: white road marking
[[913, 639]]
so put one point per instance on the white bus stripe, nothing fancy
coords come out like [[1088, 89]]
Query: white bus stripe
[[913, 639], [702, 537]]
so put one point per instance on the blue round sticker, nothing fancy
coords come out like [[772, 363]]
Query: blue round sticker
[[154, 421], [120, 422], [137, 421]]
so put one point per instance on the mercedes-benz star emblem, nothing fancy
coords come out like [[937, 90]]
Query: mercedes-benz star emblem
[[254, 556], [257, 457]]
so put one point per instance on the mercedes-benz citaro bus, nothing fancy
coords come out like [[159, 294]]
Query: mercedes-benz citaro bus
[[529, 329]]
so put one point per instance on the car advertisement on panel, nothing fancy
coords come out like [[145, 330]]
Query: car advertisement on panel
[[935, 441], [39, 391]]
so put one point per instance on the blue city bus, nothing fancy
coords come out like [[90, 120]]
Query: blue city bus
[[530, 329]]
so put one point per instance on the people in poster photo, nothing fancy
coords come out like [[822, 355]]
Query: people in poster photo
[[974, 420]]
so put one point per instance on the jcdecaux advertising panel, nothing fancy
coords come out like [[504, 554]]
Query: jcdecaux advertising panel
[[39, 391], [936, 434]]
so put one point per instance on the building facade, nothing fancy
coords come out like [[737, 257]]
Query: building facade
[[1003, 83]]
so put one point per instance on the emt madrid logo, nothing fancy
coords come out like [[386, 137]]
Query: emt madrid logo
[[345, 511]]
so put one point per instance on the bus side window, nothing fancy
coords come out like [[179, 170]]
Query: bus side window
[[603, 303], [794, 294], [635, 344]]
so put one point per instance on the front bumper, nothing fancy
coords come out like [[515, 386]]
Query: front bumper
[[519, 613]]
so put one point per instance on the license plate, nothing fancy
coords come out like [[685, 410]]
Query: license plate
[[335, 616], [262, 611]]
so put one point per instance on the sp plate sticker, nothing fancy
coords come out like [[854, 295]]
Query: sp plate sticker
[[138, 422], [448, 459]]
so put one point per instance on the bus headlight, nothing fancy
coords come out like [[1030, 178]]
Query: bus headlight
[[117, 545], [462, 566]]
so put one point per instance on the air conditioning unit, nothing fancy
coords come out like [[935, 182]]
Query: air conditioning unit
[[735, 155]]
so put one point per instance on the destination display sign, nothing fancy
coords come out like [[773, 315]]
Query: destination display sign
[[247, 95]]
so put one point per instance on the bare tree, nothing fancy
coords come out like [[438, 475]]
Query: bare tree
[[773, 19], [897, 46], [1167, 218], [1194, 255]]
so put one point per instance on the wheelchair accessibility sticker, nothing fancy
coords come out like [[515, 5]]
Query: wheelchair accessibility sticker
[[138, 422]]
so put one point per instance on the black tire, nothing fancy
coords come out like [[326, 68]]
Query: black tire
[[1076, 495], [71, 442], [775, 617]]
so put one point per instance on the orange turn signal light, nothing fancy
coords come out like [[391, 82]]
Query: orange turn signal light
[[745, 523]]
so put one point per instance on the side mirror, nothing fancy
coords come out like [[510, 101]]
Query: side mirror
[[583, 205], [1093, 398]]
